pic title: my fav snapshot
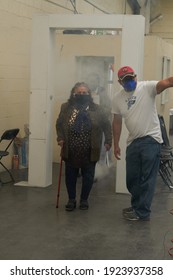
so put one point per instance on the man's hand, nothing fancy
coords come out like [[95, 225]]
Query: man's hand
[[117, 152]]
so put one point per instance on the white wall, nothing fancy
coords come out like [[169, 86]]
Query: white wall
[[164, 27], [15, 48], [155, 49]]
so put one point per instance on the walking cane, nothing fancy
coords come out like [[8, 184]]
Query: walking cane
[[59, 183]]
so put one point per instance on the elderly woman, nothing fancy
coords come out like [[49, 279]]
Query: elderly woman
[[80, 127]]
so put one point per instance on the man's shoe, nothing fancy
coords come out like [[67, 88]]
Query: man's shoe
[[127, 210], [84, 205], [132, 216], [71, 205]]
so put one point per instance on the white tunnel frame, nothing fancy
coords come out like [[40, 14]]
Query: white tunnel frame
[[42, 83]]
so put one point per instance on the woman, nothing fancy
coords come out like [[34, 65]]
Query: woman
[[80, 126]]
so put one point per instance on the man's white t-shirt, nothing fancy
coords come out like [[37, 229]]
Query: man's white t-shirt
[[138, 108]]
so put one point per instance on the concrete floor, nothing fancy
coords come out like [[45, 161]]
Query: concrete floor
[[33, 228]]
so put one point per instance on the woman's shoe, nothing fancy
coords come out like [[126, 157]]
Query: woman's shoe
[[71, 205], [84, 205]]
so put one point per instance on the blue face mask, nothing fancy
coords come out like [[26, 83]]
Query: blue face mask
[[129, 85]]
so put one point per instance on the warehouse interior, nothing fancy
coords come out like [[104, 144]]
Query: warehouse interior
[[31, 226]]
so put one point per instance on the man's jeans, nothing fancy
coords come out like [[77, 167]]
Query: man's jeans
[[71, 175], [142, 165]]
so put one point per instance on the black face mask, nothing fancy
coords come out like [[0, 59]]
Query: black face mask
[[82, 99]]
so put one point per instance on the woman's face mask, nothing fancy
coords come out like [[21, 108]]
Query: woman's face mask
[[81, 95], [82, 99], [129, 84]]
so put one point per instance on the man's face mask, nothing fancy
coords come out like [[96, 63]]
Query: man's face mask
[[129, 84]]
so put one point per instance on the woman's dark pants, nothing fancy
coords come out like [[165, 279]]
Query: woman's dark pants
[[142, 165], [71, 175]]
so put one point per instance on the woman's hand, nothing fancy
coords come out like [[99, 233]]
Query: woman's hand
[[61, 143], [107, 147]]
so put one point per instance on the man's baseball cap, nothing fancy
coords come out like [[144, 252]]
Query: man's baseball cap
[[125, 71]]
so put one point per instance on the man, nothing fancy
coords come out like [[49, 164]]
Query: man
[[136, 104]]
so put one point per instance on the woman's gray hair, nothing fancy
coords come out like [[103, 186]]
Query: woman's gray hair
[[80, 84]]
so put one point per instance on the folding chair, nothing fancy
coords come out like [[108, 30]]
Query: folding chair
[[166, 156], [8, 135]]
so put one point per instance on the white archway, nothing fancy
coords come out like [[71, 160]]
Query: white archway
[[42, 82]]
